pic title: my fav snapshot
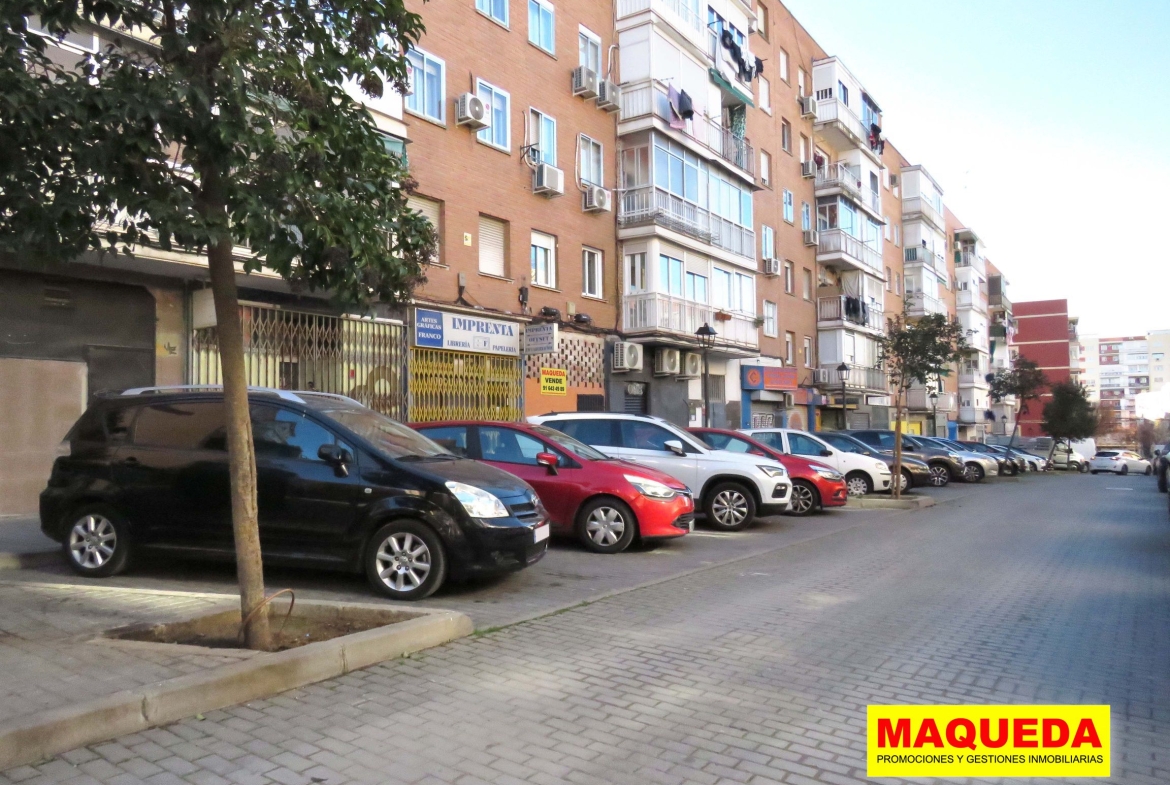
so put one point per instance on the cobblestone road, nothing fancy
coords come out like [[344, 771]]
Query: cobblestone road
[[1053, 590]]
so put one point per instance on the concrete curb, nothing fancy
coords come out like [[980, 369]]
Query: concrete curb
[[49, 733], [905, 503], [26, 561]]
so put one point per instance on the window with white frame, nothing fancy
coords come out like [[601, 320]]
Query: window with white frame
[[746, 284], [497, 103], [801, 83], [889, 229], [807, 352], [782, 57], [543, 260], [804, 148], [765, 94], [789, 278], [431, 210], [592, 162], [762, 20], [589, 49], [807, 284], [670, 275], [428, 76], [789, 207], [889, 280], [496, 9], [636, 273], [767, 242], [635, 167], [766, 168], [544, 136], [897, 236], [786, 136], [770, 328], [591, 267], [696, 288], [721, 289], [805, 216], [542, 25], [492, 234], [789, 348]]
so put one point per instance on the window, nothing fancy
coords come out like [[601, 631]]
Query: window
[[670, 275], [805, 216], [770, 319], [427, 74], [491, 246], [635, 167], [544, 136], [789, 278], [843, 93], [595, 433], [766, 168], [801, 83], [889, 280], [279, 433], [636, 279], [804, 148], [496, 9], [592, 168], [543, 260], [508, 446], [897, 236], [807, 352], [696, 288], [182, 426], [498, 134], [746, 287], [898, 284], [589, 49], [786, 136], [541, 27], [789, 348], [765, 95], [432, 211], [767, 242], [782, 58], [591, 283], [721, 289], [762, 21], [804, 445], [789, 208], [640, 435], [451, 438], [807, 283]]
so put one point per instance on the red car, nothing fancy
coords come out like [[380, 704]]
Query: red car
[[814, 485], [605, 503]]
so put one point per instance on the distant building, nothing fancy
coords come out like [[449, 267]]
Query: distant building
[[1045, 335]]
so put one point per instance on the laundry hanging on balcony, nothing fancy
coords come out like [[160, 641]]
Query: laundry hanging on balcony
[[682, 108]]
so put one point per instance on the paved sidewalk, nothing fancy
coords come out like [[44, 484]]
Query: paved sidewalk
[[19, 535]]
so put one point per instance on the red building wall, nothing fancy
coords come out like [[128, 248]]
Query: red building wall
[[1042, 336]]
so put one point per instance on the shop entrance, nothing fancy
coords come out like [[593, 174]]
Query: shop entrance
[[449, 385]]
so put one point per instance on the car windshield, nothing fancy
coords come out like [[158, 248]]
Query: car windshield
[[388, 436], [570, 444]]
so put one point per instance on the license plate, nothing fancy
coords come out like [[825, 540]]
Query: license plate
[[540, 533]]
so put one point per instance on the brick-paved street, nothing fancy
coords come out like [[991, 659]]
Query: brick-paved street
[[1054, 589]]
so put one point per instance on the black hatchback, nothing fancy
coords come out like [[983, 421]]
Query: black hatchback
[[339, 486]]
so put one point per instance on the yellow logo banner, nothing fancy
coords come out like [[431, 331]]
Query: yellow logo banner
[[987, 741]]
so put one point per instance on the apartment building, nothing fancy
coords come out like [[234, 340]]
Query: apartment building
[[1123, 373], [1158, 342], [1044, 334], [1001, 351]]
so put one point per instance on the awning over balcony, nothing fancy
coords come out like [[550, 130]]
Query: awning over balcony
[[723, 83]]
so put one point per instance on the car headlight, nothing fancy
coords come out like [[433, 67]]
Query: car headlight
[[829, 474], [773, 471], [477, 502], [882, 467], [651, 488]]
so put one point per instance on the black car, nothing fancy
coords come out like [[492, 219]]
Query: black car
[[340, 486], [915, 473], [945, 465]]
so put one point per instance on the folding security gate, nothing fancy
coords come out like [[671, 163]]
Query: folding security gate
[[447, 385]]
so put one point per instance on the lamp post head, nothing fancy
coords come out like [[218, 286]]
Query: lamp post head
[[934, 399], [706, 335], [843, 373]]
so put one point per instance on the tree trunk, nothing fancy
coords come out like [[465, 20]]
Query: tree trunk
[[241, 456], [897, 473]]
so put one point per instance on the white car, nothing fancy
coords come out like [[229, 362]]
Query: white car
[[731, 488], [1119, 462], [863, 474]]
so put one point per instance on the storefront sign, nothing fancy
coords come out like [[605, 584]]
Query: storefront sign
[[762, 377], [540, 338], [463, 332], [554, 381]]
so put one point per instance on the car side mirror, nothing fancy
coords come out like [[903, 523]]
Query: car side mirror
[[549, 460], [675, 446], [336, 456], [826, 453]]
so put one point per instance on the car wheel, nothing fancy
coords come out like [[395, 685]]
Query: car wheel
[[1083, 468], [805, 499], [939, 475], [973, 472], [405, 560], [1149, 470], [98, 543], [729, 507], [1013, 470], [606, 525], [859, 484], [1124, 470], [905, 482]]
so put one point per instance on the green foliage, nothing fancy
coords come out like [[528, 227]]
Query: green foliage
[[920, 351], [1024, 380], [207, 120], [1069, 415]]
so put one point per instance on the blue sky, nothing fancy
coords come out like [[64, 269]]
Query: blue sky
[[1046, 123]]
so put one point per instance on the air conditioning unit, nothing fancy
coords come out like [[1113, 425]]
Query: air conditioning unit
[[808, 169], [471, 111], [584, 82], [667, 362], [811, 237], [821, 376], [609, 96], [627, 356], [548, 180], [692, 364], [771, 267], [808, 106], [787, 400], [596, 199]]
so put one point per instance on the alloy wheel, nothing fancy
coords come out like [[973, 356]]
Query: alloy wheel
[[730, 508], [404, 561], [802, 499], [939, 476], [92, 541], [605, 526]]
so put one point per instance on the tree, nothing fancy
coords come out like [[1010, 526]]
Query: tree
[[1069, 415], [205, 125], [1025, 381], [1107, 422], [917, 352]]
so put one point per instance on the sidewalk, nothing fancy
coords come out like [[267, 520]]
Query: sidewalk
[[22, 544]]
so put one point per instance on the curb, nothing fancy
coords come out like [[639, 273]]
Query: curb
[[49, 733], [26, 561], [912, 503]]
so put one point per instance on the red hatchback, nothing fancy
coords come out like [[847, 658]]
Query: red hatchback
[[814, 485], [604, 502]]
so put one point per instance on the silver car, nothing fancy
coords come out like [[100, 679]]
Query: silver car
[[976, 465]]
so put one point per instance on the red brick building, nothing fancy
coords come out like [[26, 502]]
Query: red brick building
[[1044, 335]]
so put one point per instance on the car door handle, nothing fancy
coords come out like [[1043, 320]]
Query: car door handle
[[130, 461]]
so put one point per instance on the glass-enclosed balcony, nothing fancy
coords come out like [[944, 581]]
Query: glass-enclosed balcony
[[654, 312]]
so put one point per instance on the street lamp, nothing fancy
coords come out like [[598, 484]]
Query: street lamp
[[706, 335], [934, 413], [843, 376], [1003, 419]]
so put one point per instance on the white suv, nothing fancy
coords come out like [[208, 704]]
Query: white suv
[[731, 488], [863, 473]]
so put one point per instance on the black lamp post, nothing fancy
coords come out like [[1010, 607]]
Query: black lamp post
[[843, 377], [706, 335], [934, 413]]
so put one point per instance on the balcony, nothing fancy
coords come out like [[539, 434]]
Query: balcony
[[997, 331], [652, 205], [842, 178], [650, 98], [918, 255], [922, 304], [842, 127], [915, 207], [860, 378], [1000, 302], [834, 312], [837, 247], [969, 258], [969, 415], [973, 378], [653, 312], [918, 400], [971, 298], [682, 14]]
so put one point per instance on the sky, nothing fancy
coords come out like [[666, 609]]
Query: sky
[[1048, 126]]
